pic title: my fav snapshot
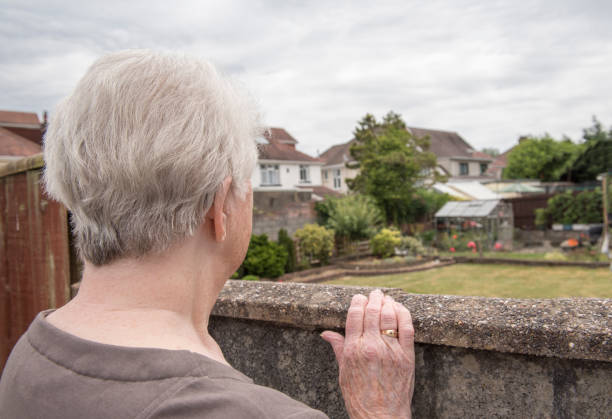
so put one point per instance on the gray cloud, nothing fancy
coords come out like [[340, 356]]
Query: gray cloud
[[489, 70]]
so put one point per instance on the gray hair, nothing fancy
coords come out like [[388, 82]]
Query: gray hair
[[140, 147]]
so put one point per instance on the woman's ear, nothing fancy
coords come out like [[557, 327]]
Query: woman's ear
[[217, 212]]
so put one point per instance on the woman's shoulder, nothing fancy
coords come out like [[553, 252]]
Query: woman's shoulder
[[227, 397]]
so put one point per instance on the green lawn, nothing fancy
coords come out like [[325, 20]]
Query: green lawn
[[496, 281]]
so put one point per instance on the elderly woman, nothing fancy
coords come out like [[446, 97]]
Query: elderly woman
[[152, 153]]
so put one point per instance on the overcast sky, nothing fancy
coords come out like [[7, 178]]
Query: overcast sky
[[490, 70]]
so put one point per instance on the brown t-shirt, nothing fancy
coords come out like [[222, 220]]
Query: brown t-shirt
[[53, 374]]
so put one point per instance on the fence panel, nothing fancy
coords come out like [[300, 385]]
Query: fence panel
[[34, 258]]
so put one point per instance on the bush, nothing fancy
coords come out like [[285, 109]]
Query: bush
[[353, 217], [250, 278], [286, 241], [316, 242], [264, 258], [567, 208], [412, 245], [384, 243]]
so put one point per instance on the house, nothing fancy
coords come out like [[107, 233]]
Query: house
[[24, 124], [281, 167], [456, 159], [334, 171], [20, 135], [286, 185]]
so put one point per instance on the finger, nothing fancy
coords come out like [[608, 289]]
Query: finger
[[404, 327], [336, 340], [371, 319], [354, 318], [388, 318]]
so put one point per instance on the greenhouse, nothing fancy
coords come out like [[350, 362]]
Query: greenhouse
[[490, 221]]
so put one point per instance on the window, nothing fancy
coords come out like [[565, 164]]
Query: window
[[304, 173], [483, 168], [270, 175], [337, 179], [325, 174], [464, 169]]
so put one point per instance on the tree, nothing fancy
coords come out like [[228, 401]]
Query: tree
[[353, 217], [540, 158], [392, 163], [594, 156]]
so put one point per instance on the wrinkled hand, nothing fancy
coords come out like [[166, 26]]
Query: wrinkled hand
[[376, 371]]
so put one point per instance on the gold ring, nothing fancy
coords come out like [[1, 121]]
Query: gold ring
[[392, 333]]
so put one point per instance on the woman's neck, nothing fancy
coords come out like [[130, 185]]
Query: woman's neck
[[161, 301]]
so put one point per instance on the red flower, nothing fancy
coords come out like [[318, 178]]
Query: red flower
[[452, 249]]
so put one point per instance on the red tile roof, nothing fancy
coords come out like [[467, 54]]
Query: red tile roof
[[277, 151], [21, 118], [12, 144], [279, 135]]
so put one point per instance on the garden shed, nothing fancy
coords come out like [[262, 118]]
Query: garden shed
[[491, 221]]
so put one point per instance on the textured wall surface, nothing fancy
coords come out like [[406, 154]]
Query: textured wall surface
[[273, 210], [476, 357]]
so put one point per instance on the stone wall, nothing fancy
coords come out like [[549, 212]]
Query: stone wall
[[476, 357], [541, 237], [273, 210]]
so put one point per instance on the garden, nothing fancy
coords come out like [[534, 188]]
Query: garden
[[392, 230]]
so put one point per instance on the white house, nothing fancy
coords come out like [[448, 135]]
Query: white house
[[281, 167], [334, 172]]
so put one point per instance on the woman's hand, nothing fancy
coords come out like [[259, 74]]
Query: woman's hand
[[376, 370]]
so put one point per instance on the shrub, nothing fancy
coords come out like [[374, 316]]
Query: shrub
[[264, 258], [286, 241], [250, 278], [384, 243], [567, 208], [353, 217], [412, 245], [316, 242]]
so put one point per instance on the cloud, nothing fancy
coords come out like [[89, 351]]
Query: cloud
[[489, 70]]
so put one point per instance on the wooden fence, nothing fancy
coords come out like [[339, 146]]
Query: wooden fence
[[34, 253]]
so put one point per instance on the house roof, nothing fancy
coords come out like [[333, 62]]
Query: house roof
[[337, 154], [20, 118], [278, 151], [279, 135], [448, 144], [457, 209], [12, 144]]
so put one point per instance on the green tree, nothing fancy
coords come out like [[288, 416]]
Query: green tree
[[541, 158], [391, 163], [286, 241], [316, 242], [594, 156], [264, 258], [354, 217]]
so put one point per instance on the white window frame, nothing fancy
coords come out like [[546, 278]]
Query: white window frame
[[337, 179], [304, 173], [270, 174]]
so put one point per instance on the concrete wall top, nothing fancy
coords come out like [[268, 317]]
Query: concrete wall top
[[574, 328]]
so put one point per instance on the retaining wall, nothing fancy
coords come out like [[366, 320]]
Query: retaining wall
[[476, 357]]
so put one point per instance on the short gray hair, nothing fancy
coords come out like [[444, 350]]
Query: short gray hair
[[140, 147]]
